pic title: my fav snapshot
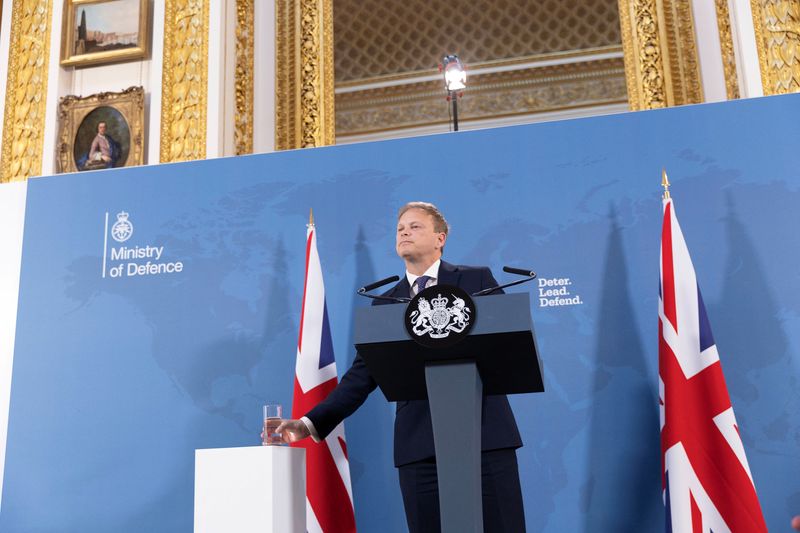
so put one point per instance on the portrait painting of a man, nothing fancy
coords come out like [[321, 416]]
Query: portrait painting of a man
[[104, 151], [102, 140], [99, 131]]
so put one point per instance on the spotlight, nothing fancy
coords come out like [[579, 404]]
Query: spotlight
[[455, 79], [455, 76]]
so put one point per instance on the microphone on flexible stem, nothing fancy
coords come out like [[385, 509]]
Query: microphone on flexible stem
[[529, 275], [372, 286], [520, 271], [381, 283]]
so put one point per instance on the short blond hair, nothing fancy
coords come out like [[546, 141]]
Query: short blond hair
[[440, 225]]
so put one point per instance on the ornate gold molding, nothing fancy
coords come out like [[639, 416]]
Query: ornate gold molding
[[660, 53], [653, 88], [304, 100], [683, 67], [185, 81], [628, 52], [327, 83], [243, 82], [726, 46], [641, 47], [26, 89], [286, 97], [777, 28], [761, 45], [525, 91]]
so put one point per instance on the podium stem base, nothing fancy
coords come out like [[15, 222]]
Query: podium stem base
[[455, 394]]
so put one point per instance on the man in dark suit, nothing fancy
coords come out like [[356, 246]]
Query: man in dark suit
[[421, 235]]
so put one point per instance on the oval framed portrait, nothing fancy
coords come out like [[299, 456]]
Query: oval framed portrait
[[103, 140], [101, 131]]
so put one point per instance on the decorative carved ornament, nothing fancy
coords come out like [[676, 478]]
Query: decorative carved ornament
[[777, 28], [185, 81], [304, 98], [641, 45], [243, 78], [26, 90], [726, 46], [683, 67], [658, 39], [572, 84]]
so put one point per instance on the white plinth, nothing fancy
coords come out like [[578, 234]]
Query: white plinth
[[256, 489]]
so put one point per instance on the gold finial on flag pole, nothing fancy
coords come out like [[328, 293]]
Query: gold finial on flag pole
[[310, 217], [665, 183]]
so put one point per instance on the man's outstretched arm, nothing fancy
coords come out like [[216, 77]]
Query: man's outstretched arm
[[348, 396]]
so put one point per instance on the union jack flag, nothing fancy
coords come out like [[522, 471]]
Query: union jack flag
[[706, 480], [329, 497]]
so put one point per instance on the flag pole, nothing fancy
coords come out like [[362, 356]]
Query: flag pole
[[311, 218], [665, 183]]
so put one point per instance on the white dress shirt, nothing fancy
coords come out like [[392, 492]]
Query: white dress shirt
[[432, 272]]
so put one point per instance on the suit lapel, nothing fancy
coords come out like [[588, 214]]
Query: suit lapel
[[448, 274], [402, 289]]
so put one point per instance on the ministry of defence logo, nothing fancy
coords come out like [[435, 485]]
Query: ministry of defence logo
[[440, 316], [122, 229], [123, 260]]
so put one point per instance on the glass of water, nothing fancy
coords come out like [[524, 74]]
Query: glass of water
[[273, 416]]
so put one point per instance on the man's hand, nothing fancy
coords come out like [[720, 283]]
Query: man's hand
[[292, 430]]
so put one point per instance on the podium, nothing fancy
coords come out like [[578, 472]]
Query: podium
[[498, 356], [254, 489]]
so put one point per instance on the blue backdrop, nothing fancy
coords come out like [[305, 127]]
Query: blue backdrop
[[120, 374]]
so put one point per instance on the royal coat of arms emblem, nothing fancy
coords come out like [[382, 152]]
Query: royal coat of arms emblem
[[438, 313], [436, 319]]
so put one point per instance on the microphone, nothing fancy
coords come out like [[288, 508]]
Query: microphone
[[529, 275], [520, 271], [381, 283], [372, 286]]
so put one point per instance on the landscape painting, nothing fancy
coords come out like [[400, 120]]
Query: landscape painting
[[104, 31]]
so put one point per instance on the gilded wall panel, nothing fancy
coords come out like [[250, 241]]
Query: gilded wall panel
[[243, 78], [777, 28], [304, 79], [649, 55], [629, 52], [726, 47], [658, 38], [185, 81], [286, 75], [678, 41], [26, 89]]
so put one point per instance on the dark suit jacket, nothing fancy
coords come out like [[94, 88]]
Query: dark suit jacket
[[413, 431]]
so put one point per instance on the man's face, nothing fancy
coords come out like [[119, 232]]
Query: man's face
[[101, 128], [417, 240]]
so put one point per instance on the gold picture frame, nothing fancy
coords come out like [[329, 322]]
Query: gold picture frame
[[104, 31], [81, 143]]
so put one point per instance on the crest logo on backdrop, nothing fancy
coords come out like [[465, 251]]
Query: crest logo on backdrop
[[122, 229], [132, 261], [440, 316]]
